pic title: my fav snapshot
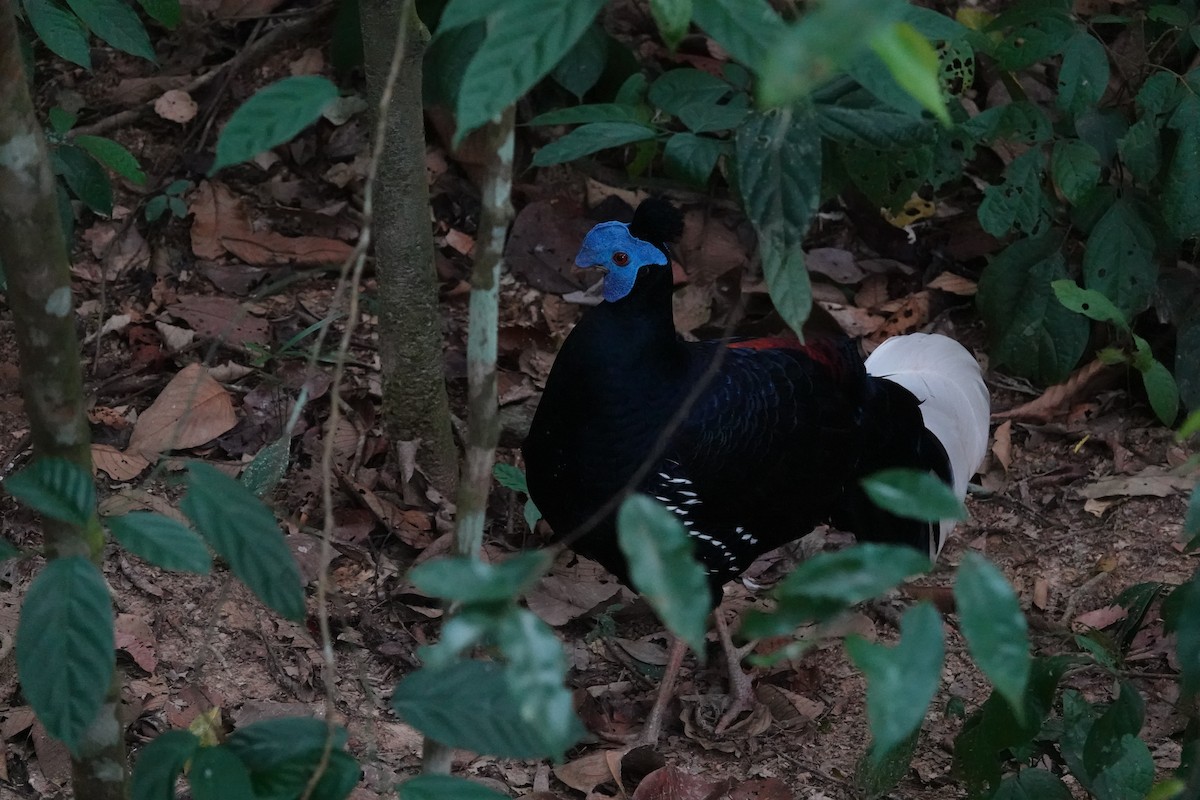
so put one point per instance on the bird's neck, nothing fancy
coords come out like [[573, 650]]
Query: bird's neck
[[637, 329]]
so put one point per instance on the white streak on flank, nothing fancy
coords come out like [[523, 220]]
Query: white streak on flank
[[690, 502], [678, 480], [683, 493]]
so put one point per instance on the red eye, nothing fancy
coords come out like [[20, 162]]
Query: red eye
[[620, 258]]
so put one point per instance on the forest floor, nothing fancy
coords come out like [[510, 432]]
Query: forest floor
[[1077, 503]]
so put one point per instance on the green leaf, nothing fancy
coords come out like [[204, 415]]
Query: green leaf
[[584, 64], [1033, 31], [746, 29], [446, 787], [779, 177], [1075, 166], [162, 541], [692, 158], [272, 116], [281, 755], [1130, 776], [913, 494], [659, 553], [1181, 615], [160, 762], [217, 774], [1032, 784], [673, 17], [268, 468], [85, 176], [1141, 149], [1019, 203], [828, 583], [878, 772], [1029, 329], [1123, 717], [1084, 73], [117, 24], [901, 680], [469, 704], [1119, 261], [510, 477], [165, 12], [243, 531], [595, 112], [114, 156], [1191, 522], [1162, 392], [61, 121], [1173, 15], [1181, 192], [525, 39], [57, 488], [155, 207], [914, 64], [1089, 302], [997, 635], [59, 30], [677, 89], [590, 138], [65, 646], [863, 121], [535, 673], [531, 513], [463, 579], [7, 550]]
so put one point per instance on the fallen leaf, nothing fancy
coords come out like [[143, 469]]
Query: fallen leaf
[[221, 318], [1059, 398], [834, 263], [954, 284], [853, 321], [586, 773], [117, 465], [1041, 593], [176, 105], [1101, 618], [1150, 482], [558, 599], [542, 244], [1002, 444], [911, 314], [134, 637], [192, 409]]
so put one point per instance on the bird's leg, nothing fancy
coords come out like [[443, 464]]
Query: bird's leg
[[666, 686], [741, 691]]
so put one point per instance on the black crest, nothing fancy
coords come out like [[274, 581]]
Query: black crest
[[657, 221]]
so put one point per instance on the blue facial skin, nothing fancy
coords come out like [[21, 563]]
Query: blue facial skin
[[608, 238]]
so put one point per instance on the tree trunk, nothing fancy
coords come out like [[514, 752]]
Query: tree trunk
[[35, 259], [415, 404]]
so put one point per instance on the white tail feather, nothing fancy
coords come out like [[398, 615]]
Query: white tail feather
[[955, 405]]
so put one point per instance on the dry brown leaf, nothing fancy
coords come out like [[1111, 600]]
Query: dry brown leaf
[[1002, 444], [221, 318], [134, 637], [1101, 618], [176, 105], [192, 409], [117, 465], [671, 783], [692, 306], [1041, 593], [586, 773], [853, 321], [954, 284], [834, 263], [460, 242], [1059, 398], [709, 247], [558, 599], [1150, 482], [873, 292], [910, 315]]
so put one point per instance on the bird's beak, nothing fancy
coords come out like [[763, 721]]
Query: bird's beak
[[591, 296]]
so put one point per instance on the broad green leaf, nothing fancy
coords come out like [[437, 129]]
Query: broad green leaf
[[60, 120], [7, 550], [1170, 14], [114, 156], [779, 177], [243, 531], [1130, 776], [1030, 330], [160, 762], [463, 579], [162, 541], [1119, 261], [590, 138], [165, 12], [460, 13], [272, 116], [1191, 522], [997, 635], [1018, 204], [914, 64], [596, 112], [217, 774], [1032, 784], [268, 468], [536, 669], [1162, 392], [290, 779], [746, 29], [1089, 302], [692, 158], [877, 772], [281, 754], [1075, 166], [889, 177], [510, 477], [659, 553], [85, 177], [677, 89], [1181, 193], [1160, 94], [1141, 149], [65, 646], [446, 787], [1123, 717], [673, 18], [828, 583], [1181, 614], [913, 494], [155, 207], [525, 39], [469, 704], [1033, 31], [117, 24], [531, 513], [706, 118], [1083, 76], [901, 680], [862, 121], [59, 30], [57, 488], [1103, 129], [583, 65]]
